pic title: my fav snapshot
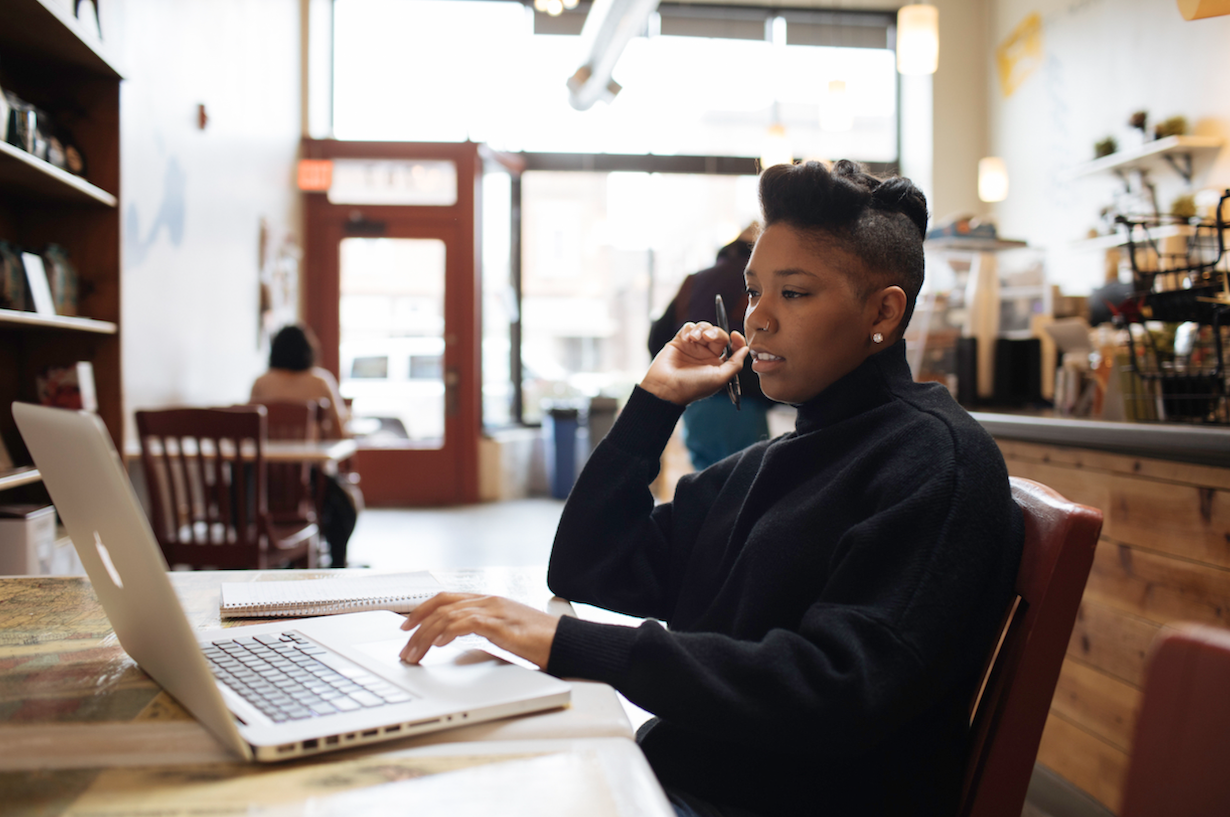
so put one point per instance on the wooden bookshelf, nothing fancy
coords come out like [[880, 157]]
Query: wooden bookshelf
[[25, 475], [9, 317], [40, 180], [56, 63]]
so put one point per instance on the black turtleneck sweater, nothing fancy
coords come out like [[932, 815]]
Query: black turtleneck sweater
[[831, 596]]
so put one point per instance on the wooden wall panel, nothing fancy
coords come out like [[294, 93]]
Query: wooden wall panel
[[1184, 520], [1158, 587], [1098, 701], [1164, 557], [1161, 470], [1111, 640], [1086, 761]]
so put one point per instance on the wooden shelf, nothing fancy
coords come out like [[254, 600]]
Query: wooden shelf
[[967, 244], [1151, 156], [12, 317], [47, 29], [19, 476], [55, 61], [1110, 242], [36, 179]]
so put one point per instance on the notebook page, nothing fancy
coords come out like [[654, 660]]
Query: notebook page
[[418, 585]]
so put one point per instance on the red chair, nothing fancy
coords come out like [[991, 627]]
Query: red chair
[[207, 481], [1008, 717], [1181, 749], [293, 492]]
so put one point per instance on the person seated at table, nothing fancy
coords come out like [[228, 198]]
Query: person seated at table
[[294, 376], [831, 594]]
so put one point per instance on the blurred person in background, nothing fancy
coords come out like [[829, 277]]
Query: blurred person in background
[[294, 376], [713, 428]]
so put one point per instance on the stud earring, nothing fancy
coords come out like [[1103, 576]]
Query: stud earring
[[877, 337]]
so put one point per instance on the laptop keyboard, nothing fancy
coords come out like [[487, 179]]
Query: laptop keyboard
[[289, 678]]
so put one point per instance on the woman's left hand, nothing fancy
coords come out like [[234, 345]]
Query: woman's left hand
[[520, 629]]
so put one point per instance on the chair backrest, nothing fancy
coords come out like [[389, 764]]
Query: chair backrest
[[292, 419], [291, 493], [1181, 749], [1007, 721], [207, 493]]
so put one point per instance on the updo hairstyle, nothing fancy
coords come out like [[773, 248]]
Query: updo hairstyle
[[880, 222]]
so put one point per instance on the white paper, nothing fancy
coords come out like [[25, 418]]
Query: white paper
[[40, 290]]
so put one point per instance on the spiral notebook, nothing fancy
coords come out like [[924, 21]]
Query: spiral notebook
[[399, 592]]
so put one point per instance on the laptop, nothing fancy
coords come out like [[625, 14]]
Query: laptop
[[268, 692]]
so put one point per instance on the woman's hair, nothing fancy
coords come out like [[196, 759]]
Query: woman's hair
[[293, 348], [881, 222]]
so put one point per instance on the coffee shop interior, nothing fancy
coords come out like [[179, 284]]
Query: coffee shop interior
[[479, 207]]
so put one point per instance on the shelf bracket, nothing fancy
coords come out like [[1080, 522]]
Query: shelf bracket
[[1182, 164]]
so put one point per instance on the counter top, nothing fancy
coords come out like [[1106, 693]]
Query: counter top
[[1200, 444]]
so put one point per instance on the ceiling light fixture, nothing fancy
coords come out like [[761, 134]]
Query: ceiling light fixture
[[837, 113], [918, 39], [1199, 9], [776, 149], [992, 179], [609, 25]]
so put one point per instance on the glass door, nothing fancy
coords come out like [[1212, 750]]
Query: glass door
[[391, 277], [391, 344]]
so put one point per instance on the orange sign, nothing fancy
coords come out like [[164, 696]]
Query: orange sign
[[315, 175]]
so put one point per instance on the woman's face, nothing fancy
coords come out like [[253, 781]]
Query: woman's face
[[805, 324]]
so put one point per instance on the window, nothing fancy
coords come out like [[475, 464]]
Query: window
[[708, 81], [602, 253]]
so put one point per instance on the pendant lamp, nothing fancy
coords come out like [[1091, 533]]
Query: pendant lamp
[[992, 179], [776, 150], [1199, 9], [837, 115], [918, 39]]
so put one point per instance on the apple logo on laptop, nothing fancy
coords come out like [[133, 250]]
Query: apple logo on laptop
[[105, 555]]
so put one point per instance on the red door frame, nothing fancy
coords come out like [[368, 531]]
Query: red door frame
[[408, 476]]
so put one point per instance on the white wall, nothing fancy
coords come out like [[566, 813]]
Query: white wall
[[1102, 60], [192, 199], [959, 92]]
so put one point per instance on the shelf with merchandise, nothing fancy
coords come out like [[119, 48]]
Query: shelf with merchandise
[[16, 477], [29, 177], [32, 320], [1179, 153], [58, 65]]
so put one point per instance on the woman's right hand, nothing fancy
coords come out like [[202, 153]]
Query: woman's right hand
[[691, 367]]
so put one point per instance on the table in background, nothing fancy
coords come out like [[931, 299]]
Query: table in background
[[71, 699]]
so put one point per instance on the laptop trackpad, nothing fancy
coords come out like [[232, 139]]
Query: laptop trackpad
[[451, 666]]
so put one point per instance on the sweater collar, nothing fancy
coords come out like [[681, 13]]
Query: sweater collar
[[868, 386]]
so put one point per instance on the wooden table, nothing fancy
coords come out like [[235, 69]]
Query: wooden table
[[72, 700]]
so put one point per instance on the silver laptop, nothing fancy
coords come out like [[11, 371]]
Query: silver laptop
[[267, 691]]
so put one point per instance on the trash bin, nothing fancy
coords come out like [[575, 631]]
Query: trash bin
[[560, 423]]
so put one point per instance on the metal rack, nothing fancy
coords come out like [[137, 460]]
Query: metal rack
[[1177, 279]]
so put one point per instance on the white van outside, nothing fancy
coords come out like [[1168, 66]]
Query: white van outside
[[397, 385]]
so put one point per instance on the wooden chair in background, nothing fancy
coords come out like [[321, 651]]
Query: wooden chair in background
[[1010, 713], [207, 481], [1181, 750], [294, 492]]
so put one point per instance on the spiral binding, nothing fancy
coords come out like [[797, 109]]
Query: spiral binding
[[324, 608], [347, 599]]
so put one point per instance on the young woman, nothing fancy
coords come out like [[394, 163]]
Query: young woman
[[294, 376], [831, 595]]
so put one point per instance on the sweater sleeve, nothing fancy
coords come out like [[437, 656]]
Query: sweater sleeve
[[614, 547], [913, 596]]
